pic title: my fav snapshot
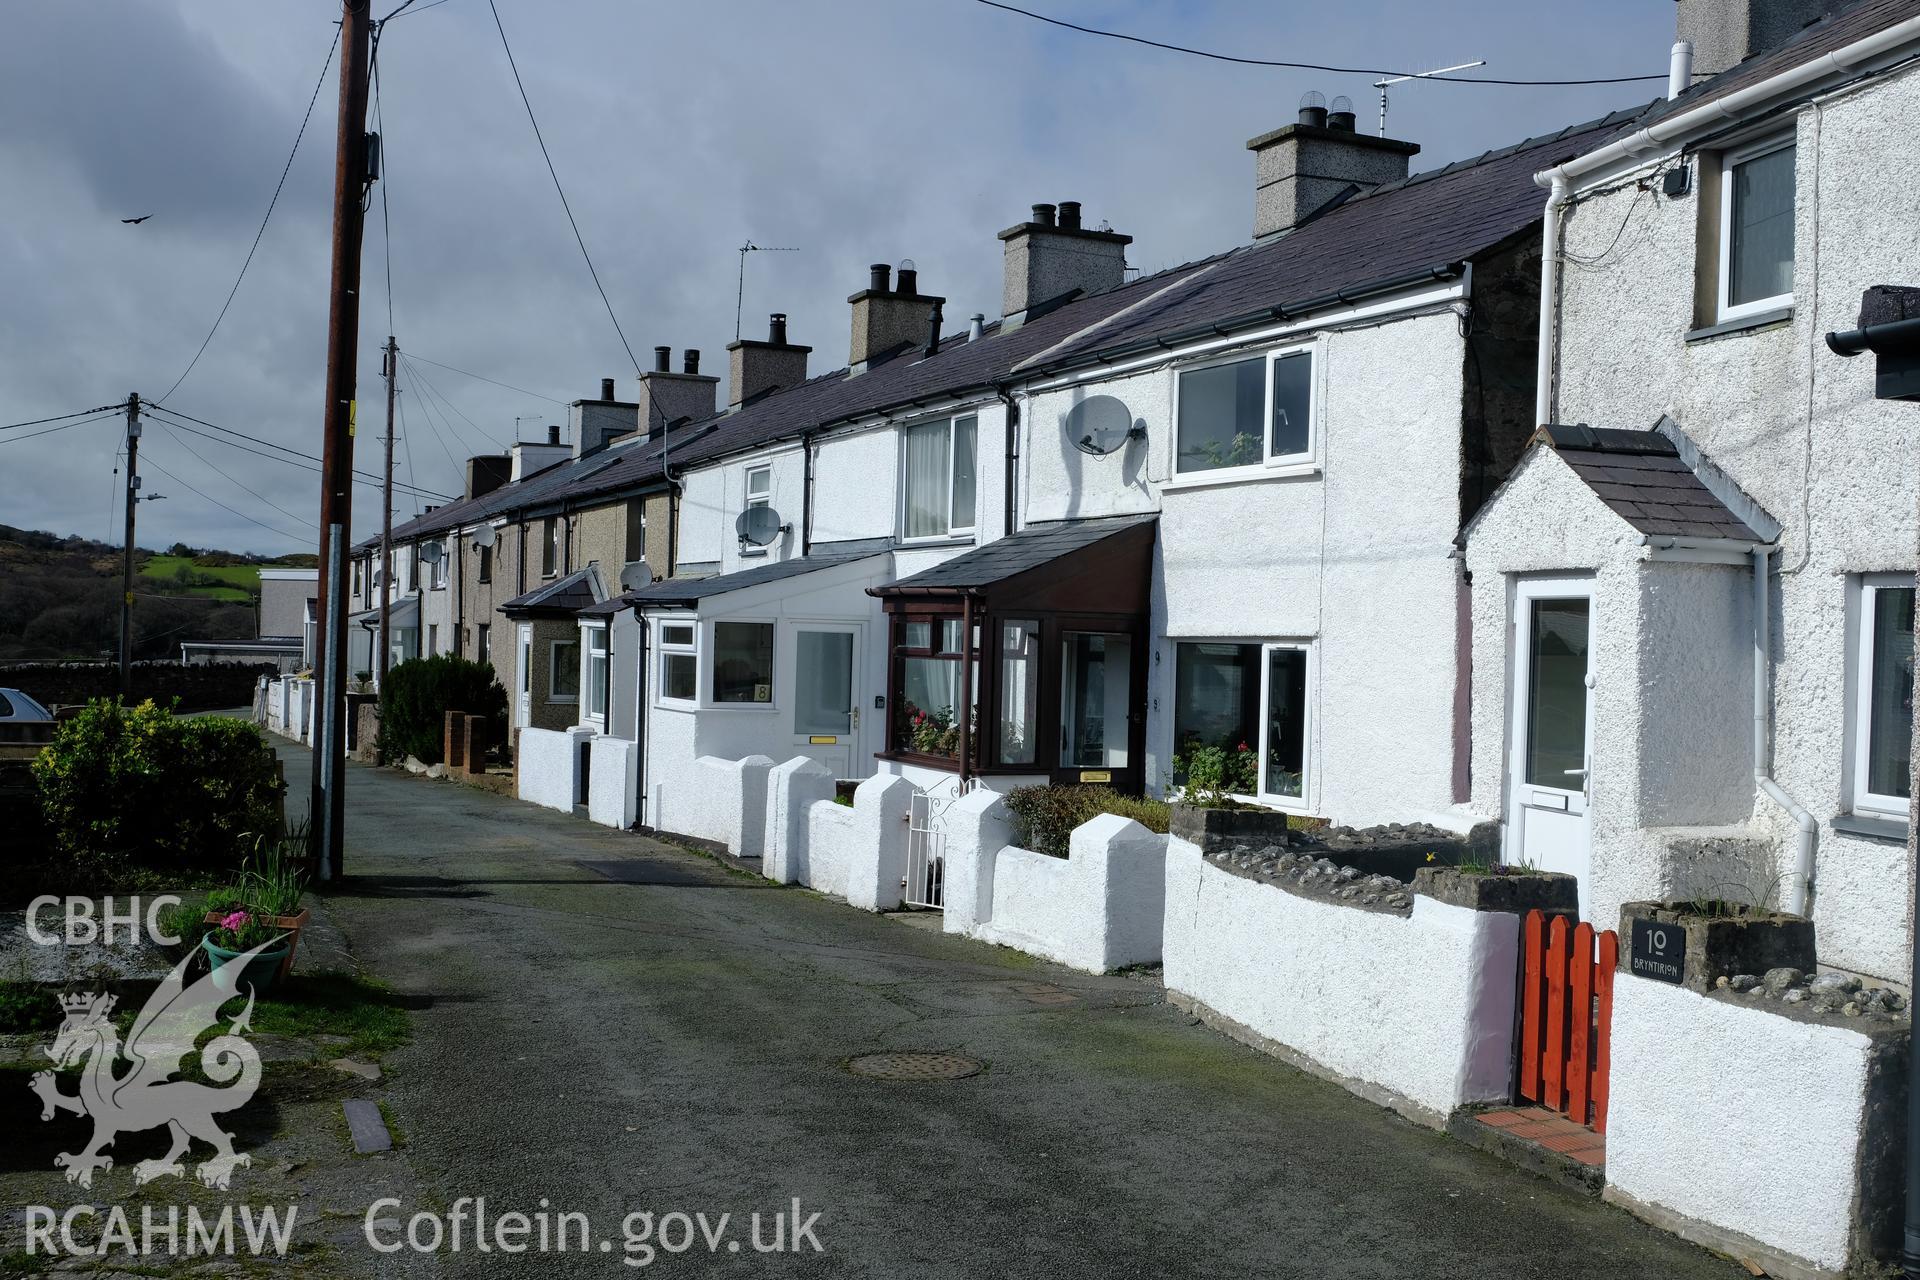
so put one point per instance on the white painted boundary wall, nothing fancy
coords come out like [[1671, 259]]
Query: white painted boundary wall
[[549, 766], [613, 781], [1736, 1117], [290, 703], [1098, 909], [1415, 1012], [857, 853], [731, 806]]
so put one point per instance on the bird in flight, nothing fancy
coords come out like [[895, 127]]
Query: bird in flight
[[136, 221]]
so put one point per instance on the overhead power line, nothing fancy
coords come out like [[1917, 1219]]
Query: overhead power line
[[255, 494], [366, 477], [1302, 66], [277, 187], [297, 537], [415, 355], [80, 413], [47, 431], [555, 175]]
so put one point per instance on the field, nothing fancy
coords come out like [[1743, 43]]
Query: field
[[241, 581]]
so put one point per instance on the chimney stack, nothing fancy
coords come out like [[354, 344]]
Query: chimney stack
[[754, 367], [1726, 32], [885, 318], [553, 433], [594, 424], [667, 397], [1302, 168], [487, 472], [1052, 255]]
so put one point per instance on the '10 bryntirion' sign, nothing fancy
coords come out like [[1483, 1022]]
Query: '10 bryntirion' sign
[[1659, 951]]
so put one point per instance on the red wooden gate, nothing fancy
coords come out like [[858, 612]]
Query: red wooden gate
[[1566, 1015]]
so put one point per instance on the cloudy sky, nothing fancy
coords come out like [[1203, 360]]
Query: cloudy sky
[[856, 131]]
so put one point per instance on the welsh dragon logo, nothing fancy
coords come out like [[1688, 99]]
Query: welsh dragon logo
[[146, 1096]]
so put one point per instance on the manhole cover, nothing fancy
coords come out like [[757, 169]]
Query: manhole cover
[[913, 1066]]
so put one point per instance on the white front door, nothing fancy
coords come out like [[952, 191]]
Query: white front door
[[523, 674], [1549, 820], [826, 710]]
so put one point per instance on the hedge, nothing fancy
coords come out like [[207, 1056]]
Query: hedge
[[1044, 817], [417, 695], [137, 786]]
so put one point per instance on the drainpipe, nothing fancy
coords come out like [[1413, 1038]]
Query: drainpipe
[[1795, 897], [806, 494], [643, 724], [1551, 231], [965, 710], [1012, 462]]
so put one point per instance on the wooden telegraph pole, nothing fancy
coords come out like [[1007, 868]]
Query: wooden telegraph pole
[[126, 564], [386, 517], [351, 177]]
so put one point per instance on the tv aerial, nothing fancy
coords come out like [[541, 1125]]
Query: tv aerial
[[757, 526], [1381, 85], [740, 289], [1101, 424]]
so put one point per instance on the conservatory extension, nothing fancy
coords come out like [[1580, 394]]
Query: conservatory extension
[[1044, 635]]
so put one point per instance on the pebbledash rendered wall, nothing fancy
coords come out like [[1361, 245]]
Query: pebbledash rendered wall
[[1795, 426], [1413, 1010], [1355, 557]]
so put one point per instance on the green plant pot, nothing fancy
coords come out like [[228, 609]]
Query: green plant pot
[[259, 973]]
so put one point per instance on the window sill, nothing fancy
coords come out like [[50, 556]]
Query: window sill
[[556, 701], [1871, 826], [1240, 475], [1741, 324], [961, 539], [753, 553]]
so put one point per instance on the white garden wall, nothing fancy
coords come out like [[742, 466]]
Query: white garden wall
[[612, 775], [1737, 1117], [548, 766], [1413, 1011]]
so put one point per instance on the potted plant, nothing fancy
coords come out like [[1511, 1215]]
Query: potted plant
[[268, 890], [1209, 813], [239, 932]]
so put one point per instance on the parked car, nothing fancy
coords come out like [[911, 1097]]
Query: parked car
[[23, 720]]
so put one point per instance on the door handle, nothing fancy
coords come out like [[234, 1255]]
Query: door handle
[[1575, 773]]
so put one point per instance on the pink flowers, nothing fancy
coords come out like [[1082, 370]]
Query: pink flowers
[[234, 921]]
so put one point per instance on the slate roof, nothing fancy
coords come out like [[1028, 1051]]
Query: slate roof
[[1007, 557], [1423, 224], [570, 594], [690, 591], [1640, 476], [1845, 24]]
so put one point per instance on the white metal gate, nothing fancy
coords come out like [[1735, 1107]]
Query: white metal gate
[[924, 885]]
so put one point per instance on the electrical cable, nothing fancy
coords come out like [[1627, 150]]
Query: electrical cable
[[47, 431], [415, 355], [255, 495], [1303, 66], [34, 422], [367, 476], [555, 175], [446, 403], [359, 478], [278, 186], [297, 537]]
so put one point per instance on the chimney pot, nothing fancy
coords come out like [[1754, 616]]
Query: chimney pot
[[1048, 257], [1299, 170], [662, 359], [606, 388], [909, 281], [1340, 115], [977, 327], [1313, 109], [777, 328], [553, 433], [690, 360], [1070, 214], [878, 277], [1043, 214], [884, 318]]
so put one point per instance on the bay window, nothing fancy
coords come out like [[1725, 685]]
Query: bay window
[[927, 695], [937, 480], [1883, 695], [1251, 412], [1756, 228], [743, 662]]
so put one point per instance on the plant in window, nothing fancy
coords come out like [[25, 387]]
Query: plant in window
[[1216, 774], [1241, 451]]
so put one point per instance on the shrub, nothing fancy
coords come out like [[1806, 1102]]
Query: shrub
[[1044, 817], [1214, 775], [417, 696], [123, 787]]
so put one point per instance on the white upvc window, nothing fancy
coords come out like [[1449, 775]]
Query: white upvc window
[[1883, 694], [759, 486], [1252, 702], [937, 466], [440, 565], [595, 676], [563, 671], [1756, 228], [677, 676], [1247, 414]]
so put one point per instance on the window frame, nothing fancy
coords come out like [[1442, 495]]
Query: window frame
[[665, 649], [484, 562], [440, 565], [554, 665], [900, 652], [1725, 310], [595, 707], [707, 688], [1860, 742], [1257, 732], [1269, 463], [953, 531], [550, 547], [749, 499], [483, 642]]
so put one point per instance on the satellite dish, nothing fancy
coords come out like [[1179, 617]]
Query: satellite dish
[[484, 536], [432, 553], [758, 525], [637, 576], [1099, 424]]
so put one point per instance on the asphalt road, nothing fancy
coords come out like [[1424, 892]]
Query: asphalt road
[[672, 1037]]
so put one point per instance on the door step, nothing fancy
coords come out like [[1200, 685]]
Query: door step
[[1542, 1141]]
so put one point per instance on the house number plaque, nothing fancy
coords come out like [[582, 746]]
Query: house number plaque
[[1659, 950]]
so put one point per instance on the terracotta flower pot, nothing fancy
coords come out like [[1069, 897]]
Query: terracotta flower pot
[[290, 925]]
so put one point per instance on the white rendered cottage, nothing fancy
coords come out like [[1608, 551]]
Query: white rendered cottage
[[1693, 265]]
